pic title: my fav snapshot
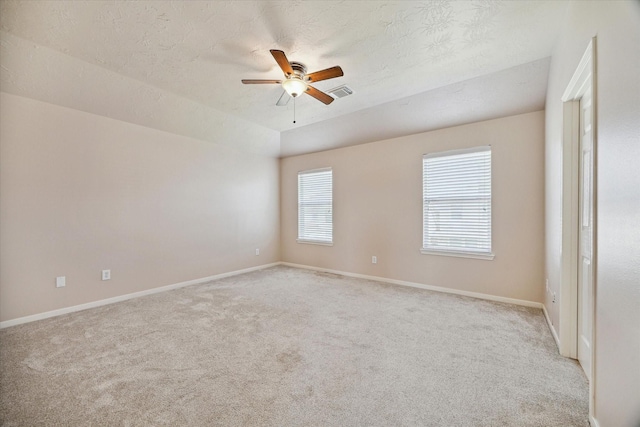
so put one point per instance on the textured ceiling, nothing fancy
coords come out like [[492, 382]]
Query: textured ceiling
[[516, 90], [196, 52]]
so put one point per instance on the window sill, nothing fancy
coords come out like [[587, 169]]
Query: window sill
[[473, 255], [314, 242]]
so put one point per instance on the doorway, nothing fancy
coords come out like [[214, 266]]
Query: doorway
[[578, 286], [585, 232]]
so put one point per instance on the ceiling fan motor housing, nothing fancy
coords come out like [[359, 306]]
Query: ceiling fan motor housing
[[299, 69], [296, 83]]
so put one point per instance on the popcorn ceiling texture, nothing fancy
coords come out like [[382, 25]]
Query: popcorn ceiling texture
[[198, 51], [475, 100]]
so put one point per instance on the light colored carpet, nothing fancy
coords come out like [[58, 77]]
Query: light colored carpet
[[289, 347]]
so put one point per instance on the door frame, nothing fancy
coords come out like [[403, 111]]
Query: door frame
[[568, 310]]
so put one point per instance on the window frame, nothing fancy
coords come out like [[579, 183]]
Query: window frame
[[306, 240], [463, 253]]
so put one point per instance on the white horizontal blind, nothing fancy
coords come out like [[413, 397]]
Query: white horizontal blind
[[315, 206], [457, 201]]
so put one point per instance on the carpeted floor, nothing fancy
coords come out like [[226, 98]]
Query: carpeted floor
[[290, 347]]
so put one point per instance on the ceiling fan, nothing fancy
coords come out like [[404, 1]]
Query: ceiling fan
[[296, 81]]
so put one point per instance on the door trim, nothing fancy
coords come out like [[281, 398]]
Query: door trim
[[568, 309]]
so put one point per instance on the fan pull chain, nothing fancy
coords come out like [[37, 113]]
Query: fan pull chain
[[294, 110]]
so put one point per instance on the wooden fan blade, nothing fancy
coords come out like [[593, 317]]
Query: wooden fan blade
[[282, 61], [319, 95], [260, 82], [327, 74]]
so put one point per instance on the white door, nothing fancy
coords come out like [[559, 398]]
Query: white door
[[585, 268]]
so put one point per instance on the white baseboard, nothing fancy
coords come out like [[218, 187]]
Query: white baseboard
[[593, 422], [551, 328], [422, 286], [93, 304], [72, 309]]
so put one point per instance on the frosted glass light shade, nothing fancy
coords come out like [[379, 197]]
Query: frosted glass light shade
[[294, 86]]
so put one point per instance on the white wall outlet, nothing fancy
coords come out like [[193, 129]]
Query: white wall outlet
[[61, 282], [257, 251], [374, 259], [106, 274]]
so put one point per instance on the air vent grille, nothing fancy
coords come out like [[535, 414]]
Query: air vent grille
[[340, 91]]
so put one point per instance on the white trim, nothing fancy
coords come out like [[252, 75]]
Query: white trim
[[99, 303], [551, 328], [585, 74], [576, 87], [477, 149], [593, 421], [325, 169], [421, 286], [568, 295], [459, 254], [314, 242]]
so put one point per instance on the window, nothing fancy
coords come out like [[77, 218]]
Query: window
[[456, 187], [315, 206]]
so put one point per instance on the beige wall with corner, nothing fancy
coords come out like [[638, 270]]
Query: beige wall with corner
[[616, 24], [80, 193], [378, 209]]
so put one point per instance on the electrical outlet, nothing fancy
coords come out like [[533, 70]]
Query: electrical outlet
[[257, 251], [374, 259], [106, 274], [61, 282], [554, 298]]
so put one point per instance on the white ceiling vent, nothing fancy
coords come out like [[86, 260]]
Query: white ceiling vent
[[340, 91]]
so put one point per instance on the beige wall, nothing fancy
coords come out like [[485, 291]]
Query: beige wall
[[617, 323], [378, 209], [80, 193]]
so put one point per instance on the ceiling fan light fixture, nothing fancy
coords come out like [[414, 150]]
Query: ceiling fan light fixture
[[297, 81], [294, 86]]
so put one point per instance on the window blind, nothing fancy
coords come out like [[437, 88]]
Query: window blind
[[315, 206], [457, 201]]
